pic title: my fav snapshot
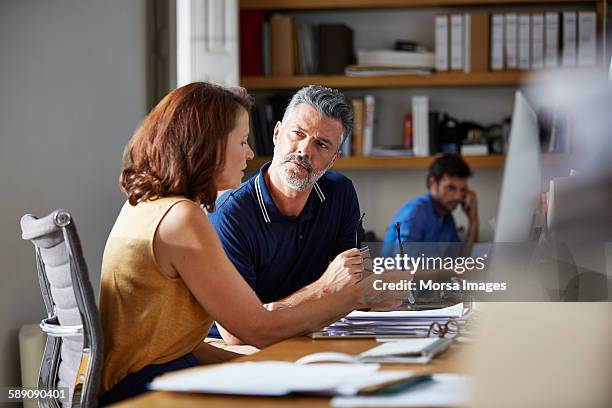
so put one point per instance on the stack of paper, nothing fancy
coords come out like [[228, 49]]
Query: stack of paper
[[405, 323]]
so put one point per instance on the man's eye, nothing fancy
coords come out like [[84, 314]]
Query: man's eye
[[322, 145]]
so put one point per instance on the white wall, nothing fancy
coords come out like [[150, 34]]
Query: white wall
[[72, 91]]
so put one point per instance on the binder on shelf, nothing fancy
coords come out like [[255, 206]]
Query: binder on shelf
[[266, 48], [368, 124], [467, 29], [456, 37], [251, 42], [537, 41], [335, 48], [587, 38], [441, 34], [497, 42], [510, 37], [420, 117], [524, 41], [568, 58], [281, 45], [551, 47], [357, 127], [477, 42]]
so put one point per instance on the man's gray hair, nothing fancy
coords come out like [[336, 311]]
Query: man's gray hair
[[328, 102]]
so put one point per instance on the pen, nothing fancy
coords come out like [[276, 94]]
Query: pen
[[401, 248]]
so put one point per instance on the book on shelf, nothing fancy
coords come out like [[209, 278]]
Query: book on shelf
[[395, 59], [357, 145], [335, 48], [551, 40], [456, 42], [420, 117], [568, 54], [441, 35], [587, 38], [407, 136], [476, 42], [537, 41], [281, 45], [372, 70], [368, 124], [524, 41], [391, 151], [251, 42], [510, 40], [497, 42]]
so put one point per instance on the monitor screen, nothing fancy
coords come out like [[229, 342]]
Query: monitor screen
[[521, 185]]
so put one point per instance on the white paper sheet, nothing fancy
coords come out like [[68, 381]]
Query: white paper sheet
[[266, 378], [451, 311]]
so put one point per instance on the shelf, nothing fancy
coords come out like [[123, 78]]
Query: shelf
[[373, 163], [365, 4], [505, 78]]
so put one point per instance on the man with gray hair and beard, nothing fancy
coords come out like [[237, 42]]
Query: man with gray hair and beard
[[291, 230]]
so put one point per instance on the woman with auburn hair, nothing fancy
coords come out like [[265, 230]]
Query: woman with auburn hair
[[165, 276]]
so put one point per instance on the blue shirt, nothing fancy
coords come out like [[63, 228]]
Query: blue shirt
[[276, 254], [420, 222]]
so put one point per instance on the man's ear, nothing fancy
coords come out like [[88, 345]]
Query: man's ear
[[277, 127], [431, 181]]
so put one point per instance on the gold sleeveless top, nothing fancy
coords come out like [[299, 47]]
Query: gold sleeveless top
[[147, 317]]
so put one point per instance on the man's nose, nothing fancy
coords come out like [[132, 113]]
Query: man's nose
[[305, 147]]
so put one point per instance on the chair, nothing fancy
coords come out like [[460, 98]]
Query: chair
[[72, 358]]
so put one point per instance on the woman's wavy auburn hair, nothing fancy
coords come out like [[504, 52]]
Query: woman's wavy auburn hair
[[180, 145]]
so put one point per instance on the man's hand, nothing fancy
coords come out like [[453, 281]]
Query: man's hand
[[470, 206], [345, 270]]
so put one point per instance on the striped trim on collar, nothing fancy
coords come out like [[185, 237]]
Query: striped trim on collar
[[262, 205], [319, 192]]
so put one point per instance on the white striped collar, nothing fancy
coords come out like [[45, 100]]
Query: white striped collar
[[319, 191], [262, 203]]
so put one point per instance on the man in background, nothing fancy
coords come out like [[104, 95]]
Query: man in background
[[428, 218]]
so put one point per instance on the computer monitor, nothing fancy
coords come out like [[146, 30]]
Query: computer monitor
[[521, 185]]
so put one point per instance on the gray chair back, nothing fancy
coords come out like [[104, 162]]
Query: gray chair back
[[72, 358]]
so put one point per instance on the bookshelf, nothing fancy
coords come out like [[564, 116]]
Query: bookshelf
[[446, 79], [386, 163], [497, 82], [413, 163], [354, 4]]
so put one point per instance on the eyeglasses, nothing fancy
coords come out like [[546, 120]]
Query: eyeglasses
[[441, 330]]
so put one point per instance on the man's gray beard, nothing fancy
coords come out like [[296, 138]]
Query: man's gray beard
[[299, 184]]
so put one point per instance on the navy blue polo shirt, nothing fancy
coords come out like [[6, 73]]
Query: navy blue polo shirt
[[277, 254], [420, 222]]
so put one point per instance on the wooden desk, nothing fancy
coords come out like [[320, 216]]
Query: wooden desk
[[291, 350]]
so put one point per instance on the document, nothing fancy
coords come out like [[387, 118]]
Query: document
[[278, 378], [451, 311]]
